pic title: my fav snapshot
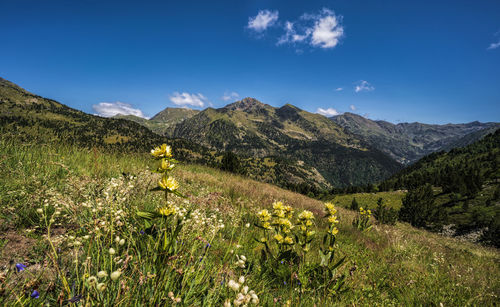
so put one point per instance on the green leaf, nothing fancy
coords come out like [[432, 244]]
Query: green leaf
[[148, 215]]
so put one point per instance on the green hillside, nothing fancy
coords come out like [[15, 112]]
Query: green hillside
[[71, 232], [251, 128], [466, 185]]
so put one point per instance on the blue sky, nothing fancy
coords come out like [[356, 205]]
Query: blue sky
[[402, 61]]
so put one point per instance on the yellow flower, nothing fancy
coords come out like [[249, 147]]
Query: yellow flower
[[310, 233], [369, 212], [334, 231], [168, 183], [306, 215], [266, 225], [264, 215], [166, 211], [333, 219], [166, 165], [277, 205], [330, 208], [279, 238], [164, 151], [288, 240], [285, 223]]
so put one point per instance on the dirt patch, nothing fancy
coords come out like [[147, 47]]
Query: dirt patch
[[16, 247]]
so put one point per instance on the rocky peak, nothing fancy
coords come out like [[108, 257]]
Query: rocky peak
[[246, 104]]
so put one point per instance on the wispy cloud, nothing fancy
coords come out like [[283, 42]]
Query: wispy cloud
[[263, 20], [187, 99], [109, 109], [494, 45], [363, 86], [352, 107], [338, 89], [230, 96], [322, 30], [327, 112]]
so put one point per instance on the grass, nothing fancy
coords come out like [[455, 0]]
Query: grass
[[98, 195], [369, 200]]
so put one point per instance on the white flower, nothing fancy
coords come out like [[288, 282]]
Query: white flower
[[39, 210], [102, 274], [92, 280], [115, 275], [122, 241], [117, 239], [227, 303], [247, 225], [245, 289], [112, 251], [241, 280], [233, 285], [101, 287]]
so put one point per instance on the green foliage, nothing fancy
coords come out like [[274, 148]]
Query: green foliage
[[231, 163], [385, 215], [354, 204], [420, 210]]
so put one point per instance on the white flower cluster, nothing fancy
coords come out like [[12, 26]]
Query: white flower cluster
[[241, 261], [244, 295]]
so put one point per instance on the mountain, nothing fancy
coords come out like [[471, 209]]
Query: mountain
[[252, 128], [467, 184], [31, 118], [408, 142], [163, 122]]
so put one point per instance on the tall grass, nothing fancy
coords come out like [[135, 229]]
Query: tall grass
[[89, 200]]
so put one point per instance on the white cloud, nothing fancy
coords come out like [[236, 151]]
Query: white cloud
[[494, 45], [327, 112], [338, 89], [186, 99], [327, 31], [109, 109], [263, 20], [322, 30], [363, 86], [352, 107], [230, 96]]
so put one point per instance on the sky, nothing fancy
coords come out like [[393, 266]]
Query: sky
[[400, 61]]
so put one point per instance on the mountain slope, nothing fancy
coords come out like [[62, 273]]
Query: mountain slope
[[162, 123], [249, 127], [29, 117], [407, 142], [467, 182]]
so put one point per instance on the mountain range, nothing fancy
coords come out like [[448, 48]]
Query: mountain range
[[408, 142], [286, 145]]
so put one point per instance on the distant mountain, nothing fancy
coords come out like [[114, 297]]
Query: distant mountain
[[408, 142], [164, 122], [32, 118], [252, 128]]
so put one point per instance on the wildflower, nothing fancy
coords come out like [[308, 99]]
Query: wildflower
[[332, 219], [227, 303], [278, 238], [112, 251], [247, 225], [233, 285], [241, 280], [122, 241], [264, 215], [20, 267], [92, 280], [102, 274], [164, 151], [39, 210], [35, 294], [334, 231], [101, 286], [166, 165], [288, 240], [168, 183], [115, 275], [306, 215], [167, 211]]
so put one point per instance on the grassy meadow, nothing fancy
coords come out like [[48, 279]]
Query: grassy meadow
[[71, 234]]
